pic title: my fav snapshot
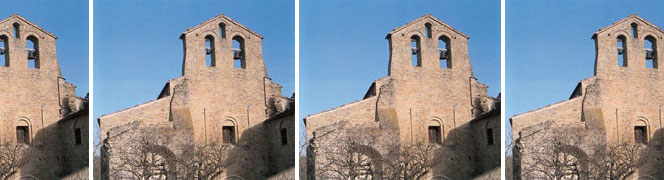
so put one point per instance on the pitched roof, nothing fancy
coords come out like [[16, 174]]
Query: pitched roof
[[21, 18], [221, 16], [430, 17], [628, 18]]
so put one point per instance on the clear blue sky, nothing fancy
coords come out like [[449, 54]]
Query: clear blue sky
[[343, 47], [549, 50], [69, 22], [137, 49]]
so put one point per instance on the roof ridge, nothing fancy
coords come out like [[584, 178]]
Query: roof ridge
[[29, 23], [434, 19], [189, 30]]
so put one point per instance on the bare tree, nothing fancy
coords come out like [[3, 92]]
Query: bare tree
[[354, 154], [149, 153], [558, 154], [13, 158]]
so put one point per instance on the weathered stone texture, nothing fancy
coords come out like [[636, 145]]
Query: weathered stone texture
[[402, 105], [606, 107], [40, 98], [205, 98]]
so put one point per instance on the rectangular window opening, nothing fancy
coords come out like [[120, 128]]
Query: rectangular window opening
[[640, 135], [434, 135], [77, 136], [228, 134], [22, 135], [489, 136], [284, 136]]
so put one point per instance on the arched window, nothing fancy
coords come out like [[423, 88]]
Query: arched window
[[635, 30], [23, 131], [4, 50], [621, 44], [283, 131], [435, 132], [228, 133], [650, 45], [32, 45], [427, 27], [209, 51], [444, 52], [415, 48], [641, 132], [17, 30], [222, 30], [239, 58]]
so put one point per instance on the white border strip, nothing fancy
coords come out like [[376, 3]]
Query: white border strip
[[90, 90], [502, 88], [297, 90]]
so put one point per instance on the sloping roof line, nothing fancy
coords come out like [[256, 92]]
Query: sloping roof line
[[432, 18], [29, 23], [631, 16], [220, 16]]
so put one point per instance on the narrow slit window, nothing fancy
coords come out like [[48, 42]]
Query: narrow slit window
[[640, 135], [209, 51], [228, 134], [32, 46], [489, 136], [239, 55], [22, 135], [284, 136], [635, 30], [77, 136], [434, 135], [650, 46], [444, 52], [4, 51], [427, 27], [621, 44], [222, 30], [17, 30], [415, 48]]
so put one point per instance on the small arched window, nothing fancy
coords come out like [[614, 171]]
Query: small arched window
[[283, 131], [228, 133], [222, 30], [444, 52], [32, 49], [650, 45], [209, 51], [415, 48], [239, 58], [635, 30], [427, 28], [621, 44], [4, 50], [78, 136], [435, 132], [17, 30]]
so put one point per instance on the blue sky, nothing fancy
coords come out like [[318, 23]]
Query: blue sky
[[69, 22], [343, 47], [549, 50], [137, 48]]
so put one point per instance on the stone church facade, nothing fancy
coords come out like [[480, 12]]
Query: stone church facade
[[620, 104], [224, 96], [430, 96], [40, 111]]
